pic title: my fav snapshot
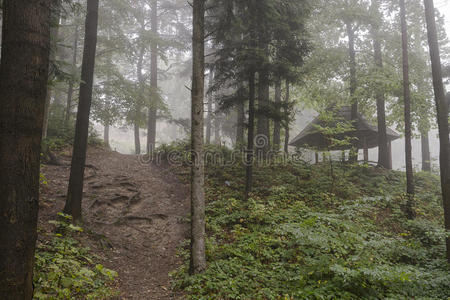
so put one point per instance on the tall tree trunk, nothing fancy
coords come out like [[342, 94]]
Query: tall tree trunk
[[54, 32], [75, 190], [106, 135], [263, 106], [277, 126], [137, 138], [383, 154], [442, 114], [23, 85], [286, 125], [353, 85], [217, 139], [72, 81], [152, 111], [240, 130], [407, 102], [250, 136], [198, 258], [210, 110], [426, 156]]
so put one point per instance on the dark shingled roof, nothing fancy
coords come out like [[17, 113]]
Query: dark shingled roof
[[310, 137]]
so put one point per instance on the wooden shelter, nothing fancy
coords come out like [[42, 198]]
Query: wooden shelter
[[365, 136]]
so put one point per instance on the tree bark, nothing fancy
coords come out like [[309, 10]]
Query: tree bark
[[277, 125], [286, 126], [250, 136], [106, 135], [198, 257], [426, 156], [76, 180], [152, 111], [263, 106], [442, 114], [23, 85], [383, 154], [210, 111], [240, 130], [72, 80], [137, 137], [353, 157], [407, 102], [217, 139]]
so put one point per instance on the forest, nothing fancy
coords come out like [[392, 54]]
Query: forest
[[224, 149]]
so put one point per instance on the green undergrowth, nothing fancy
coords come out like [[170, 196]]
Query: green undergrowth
[[64, 269], [312, 232]]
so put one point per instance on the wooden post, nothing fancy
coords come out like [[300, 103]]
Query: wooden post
[[317, 157]]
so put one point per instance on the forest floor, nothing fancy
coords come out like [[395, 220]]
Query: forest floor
[[135, 217]]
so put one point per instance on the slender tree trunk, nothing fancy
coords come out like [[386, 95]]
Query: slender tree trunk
[[23, 85], [210, 110], [217, 139], [407, 102], [442, 114], [383, 155], [72, 80], [263, 105], [250, 135], [277, 125], [240, 131], [353, 85], [426, 156], [137, 139], [152, 111], [198, 258], [54, 32], [286, 125], [106, 135], [75, 190]]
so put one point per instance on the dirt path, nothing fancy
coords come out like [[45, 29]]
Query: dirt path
[[136, 215]]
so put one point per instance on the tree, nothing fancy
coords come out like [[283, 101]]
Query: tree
[[54, 36], [75, 190], [72, 81], [442, 114], [152, 109], [250, 136], [383, 148], [407, 107], [426, 156], [23, 86], [277, 125], [198, 258]]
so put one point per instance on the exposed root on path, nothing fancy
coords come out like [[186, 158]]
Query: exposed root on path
[[135, 218]]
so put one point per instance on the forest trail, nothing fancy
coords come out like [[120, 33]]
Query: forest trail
[[135, 215]]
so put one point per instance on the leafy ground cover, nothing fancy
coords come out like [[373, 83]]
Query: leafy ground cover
[[64, 269], [312, 232]]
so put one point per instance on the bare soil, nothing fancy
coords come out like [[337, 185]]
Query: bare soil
[[135, 216]]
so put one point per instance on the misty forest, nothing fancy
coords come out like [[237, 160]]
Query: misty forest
[[224, 149]]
